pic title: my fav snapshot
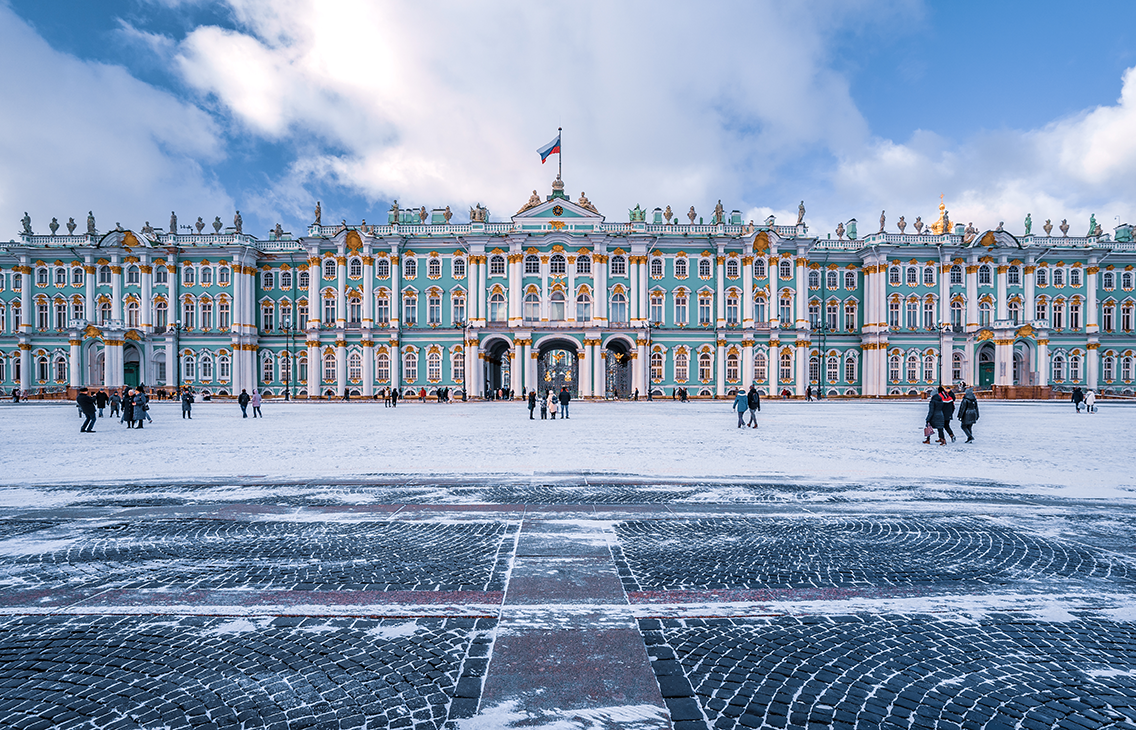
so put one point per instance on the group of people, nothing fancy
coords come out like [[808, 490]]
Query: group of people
[[1085, 397], [550, 404], [941, 409], [132, 405], [747, 402], [244, 400]]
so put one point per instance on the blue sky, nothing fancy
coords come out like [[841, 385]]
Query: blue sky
[[132, 108]]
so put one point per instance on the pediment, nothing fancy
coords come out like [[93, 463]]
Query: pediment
[[995, 239], [557, 209]]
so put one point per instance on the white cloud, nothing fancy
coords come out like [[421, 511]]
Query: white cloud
[[446, 103]]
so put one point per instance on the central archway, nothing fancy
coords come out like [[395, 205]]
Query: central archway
[[617, 380], [558, 367], [498, 367]]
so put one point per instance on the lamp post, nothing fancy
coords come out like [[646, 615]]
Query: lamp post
[[289, 331], [177, 355]]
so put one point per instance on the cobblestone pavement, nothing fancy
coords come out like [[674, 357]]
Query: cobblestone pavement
[[572, 605]]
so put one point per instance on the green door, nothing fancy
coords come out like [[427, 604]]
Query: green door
[[985, 375], [130, 374]]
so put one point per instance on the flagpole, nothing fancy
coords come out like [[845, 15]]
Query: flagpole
[[560, 155]]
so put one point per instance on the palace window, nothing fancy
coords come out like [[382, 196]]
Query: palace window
[[732, 309], [161, 317], [267, 370], [410, 309], [1108, 280], [850, 316], [304, 280], [223, 314], [458, 267], [912, 276], [814, 315], [733, 374], [267, 280], [286, 280], [656, 308], [410, 267], [1059, 277], [223, 275], [704, 271], [132, 310], [984, 275], [354, 367], [985, 314], [760, 374], [1126, 281], [1058, 367], [681, 317], [557, 265], [850, 368], [382, 309], [618, 266], [618, 308], [1126, 368], [929, 276], [583, 308], [530, 308], [1108, 367], [912, 314], [656, 268], [382, 271], [532, 265], [814, 368], [894, 276], [732, 268], [1014, 276], [759, 315], [956, 314], [329, 367], [786, 311], [434, 310], [61, 314], [814, 280], [785, 269], [410, 367], [1075, 368], [786, 374], [682, 373], [302, 368], [77, 276], [1075, 315], [497, 265], [893, 368], [956, 274], [1058, 319], [681, 268], [956, 367], [557, 307], [104, 275], [187, 314], [656, 366], [832, 280], [206, 275], [207, 367], [1041, 277], [355, 268], [457, 366], [583, 265], [1074, 277], [188, 368], [850, 280], [759, 268], [832, 369], [42, 279], [457, 305], [1126, 317], [434, 268], [382, 368], [912, 368], [189, 276], [206, 314], [329, 311], [929, 369], [60, 370], [1014, 309], [1108, 317], [433, 367], [286, 368], [161, 275], [832, 316], [355, 311], [928, 315], [267, 318], [497, 308], [705, 308], [1041, 309], [705, 371], [133, 274], [42, 317]]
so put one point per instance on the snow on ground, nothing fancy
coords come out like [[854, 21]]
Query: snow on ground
[[1036, 446]]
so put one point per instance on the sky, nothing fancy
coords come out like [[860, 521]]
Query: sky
[[132, 109]]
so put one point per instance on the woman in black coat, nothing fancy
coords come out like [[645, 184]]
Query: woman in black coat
[[128, 409], [968, 413], [937, 416]]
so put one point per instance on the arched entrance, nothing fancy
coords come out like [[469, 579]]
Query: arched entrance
[[986, 367], [558, 367], [498, 366], [618, 377], [96, 370], [1023, 359], [131, 365]]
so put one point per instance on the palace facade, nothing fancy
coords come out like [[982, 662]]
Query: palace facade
[[557, 296]]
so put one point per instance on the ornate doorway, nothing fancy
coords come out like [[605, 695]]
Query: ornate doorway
[[986, 368], [498, 366], [618, 370], [558, 367]]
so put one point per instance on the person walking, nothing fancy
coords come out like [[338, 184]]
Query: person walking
[[565, 398], [394, 397], [948, 410], [115, 401], [808, 393], [968, 413], [753, 398], [86, 406], [532, 405], [1090, 402], [256, 405], [741, 405], [543, 408], [935, 416], [128, 409], [141, 405], [101, 400], [1078, 398], [243, 401], [187, 404], [553, 405]]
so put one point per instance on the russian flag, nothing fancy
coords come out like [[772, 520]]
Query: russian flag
[[548, 149]]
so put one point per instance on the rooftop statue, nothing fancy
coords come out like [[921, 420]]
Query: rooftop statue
[[901, 224], [719, 212], [667, 215], [319, 214], [1064, 227], [1000, 226], [91, 223], [691, 215], [217, 224], [1098, 231], [534, 200], [448, 214], [1092, 225], [918, 224], [840, 231], [771, 221], [1029, 223], [801, 213], [278, 231], [199, 225], [147, 230], [71, 226], [27, 222], [117, 227], [422, 214], [1048, 227], [239, 222], [54, 225], [583, 202], [173, 223], [883, 219]]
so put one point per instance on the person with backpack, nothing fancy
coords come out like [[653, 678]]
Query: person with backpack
[[754, 400], [187, 404], [256, 405], [243, 401], [532, 405], [968, 413], [741, 405], [565, 397]]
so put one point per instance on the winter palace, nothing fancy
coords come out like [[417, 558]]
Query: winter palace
[[557, 295]]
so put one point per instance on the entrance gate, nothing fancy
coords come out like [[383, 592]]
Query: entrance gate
[[557, 368], [618, 375]]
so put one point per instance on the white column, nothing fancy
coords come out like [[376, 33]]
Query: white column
[[599, 359], [368, 367], [368, 290], [773, 365], [517, 368], [340, 290], [747, 363], [802, 367], [396, 363], [545, 294], [524, 381], [315, 273], [530, 366], [89, 306], [396, 289], [946, 357], [1092, 365], [1004, 361], [146, 309], [27, 311], [720, 288], [586, 357], [1001, 307], [172, 374], [802, 294], [720, 370], [482, 272], [1091, 321], [315, 369], [515, 291], [75, 359], [747, 297], [1028, 271], [340, 367], [771, 298], [642, 366], [471, 365], [599, 275], [570, 295], [944, 292], [1042, 361], [972, 295], [633, 313], [644, 295], [26, 366], [116, 287]]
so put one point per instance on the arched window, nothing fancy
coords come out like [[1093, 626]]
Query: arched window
[[832, 280], [850, 280], [409, 309], [1126, 280], [133, 274], [850, 368], [302, 368], [786, 374], [410, 268], [759, 268], [814, 368], [985, 314], [705, 308], [984, 275], [957, 367], [77, 275], [1014, 309], [223, 275], [382, 368], [929, 369], [760, 372], [410, 367], [42, 280], [355, 311], [1059, 367], [704, 270], [285, 279], [434, 310], [732, 309], [304, 280], [1059, 277], [759, 313], [355, 268], [956, 274], [532, 265], [733, 371], [1108, 367], [928, 315], [557, 307], [497, 308], [382, 270], [61, 276], [329, 367], [705, 370], [433, 367], [583, 265], [42, 365], [457, 366], [224, 368], [1108, 280], [832, 369], [681, 308], [656, 267], [382, 309], [894, 363], [732, 268], [583, 308], [355, 367], [329, 268], [268, 280], [912, 367], [1126, 368], [656, 305], [956, 314], [457, 305], [785, 269], [188, 367], [656, 366], [1074, 277], [132, 309], [814, 280], [1075, 368], [206, 366], [618, 308], [618, 265], [894, 276], [682, 367], [1108, 317], [60, 369], [206, 274], [785, 305], [1014, 276], [681, 268], [161, 316], [329, 311], [267, 370], [497, 265], [912, 314], [434, 268], [558, 265], [850, 316], [458, 268], [912, 276]]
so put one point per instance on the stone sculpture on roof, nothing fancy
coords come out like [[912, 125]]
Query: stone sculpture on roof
[[801, 213], [319, 214], [1029, 223], [238, 222], [27, 223], [173, 223], [91, 223], [54, 225], [71, 226]]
